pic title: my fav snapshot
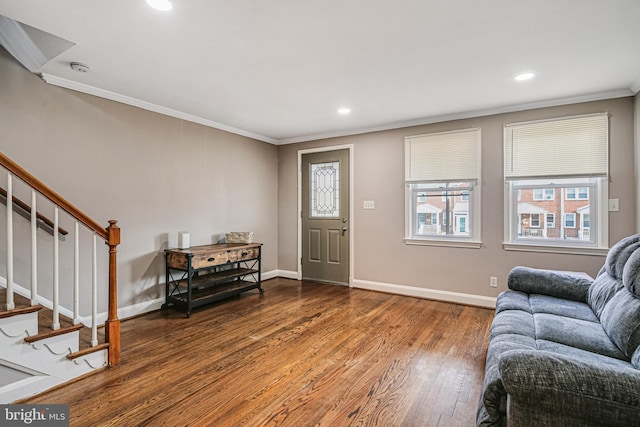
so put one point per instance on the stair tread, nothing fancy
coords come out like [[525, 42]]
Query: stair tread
[[21, 310], [87, 350], [53, 333]]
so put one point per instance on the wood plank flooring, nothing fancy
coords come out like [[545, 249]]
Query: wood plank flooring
[[302, 354]]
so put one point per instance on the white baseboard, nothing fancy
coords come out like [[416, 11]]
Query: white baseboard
[[285, 274], [155, 304], [435, 294]]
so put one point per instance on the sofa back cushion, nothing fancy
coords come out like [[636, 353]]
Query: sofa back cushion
[[609, 280], [620, 319], [619, 255], [614, 295]]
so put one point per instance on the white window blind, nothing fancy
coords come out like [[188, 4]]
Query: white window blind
[[447, 156], [572, 146]]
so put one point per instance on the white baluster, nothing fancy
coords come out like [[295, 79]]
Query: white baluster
[[34, 249], [94, 296], [76, 275], [10, 303], [56, 272]]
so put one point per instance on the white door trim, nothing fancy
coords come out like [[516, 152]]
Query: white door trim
[[351, 210]]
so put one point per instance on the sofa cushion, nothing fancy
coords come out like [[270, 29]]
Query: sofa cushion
[[602, 290], [631, 274], [621, 321], [562, 307], [582, 334], [578, 354]]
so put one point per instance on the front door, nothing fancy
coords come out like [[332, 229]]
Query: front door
[[325, 216]]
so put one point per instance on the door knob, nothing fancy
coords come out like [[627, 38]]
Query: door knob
[[344, 230]]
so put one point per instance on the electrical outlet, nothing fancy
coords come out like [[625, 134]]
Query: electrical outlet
[[493, 282]]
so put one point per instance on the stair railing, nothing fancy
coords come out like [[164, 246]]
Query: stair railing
[[110, 234]]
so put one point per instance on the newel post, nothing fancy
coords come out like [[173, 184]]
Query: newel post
[[112, 325]]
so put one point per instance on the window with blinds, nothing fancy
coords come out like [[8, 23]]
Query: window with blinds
[[442, 172], [557, 169], [572, 146]]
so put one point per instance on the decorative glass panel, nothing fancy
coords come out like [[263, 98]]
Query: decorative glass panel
[[325, 190]]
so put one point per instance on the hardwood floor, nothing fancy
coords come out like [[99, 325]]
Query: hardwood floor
[[302, 354]]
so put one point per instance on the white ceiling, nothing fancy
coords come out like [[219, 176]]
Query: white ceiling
[[277, 70]]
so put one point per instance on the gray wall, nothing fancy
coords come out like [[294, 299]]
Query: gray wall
[[155, 174], [381, 255]]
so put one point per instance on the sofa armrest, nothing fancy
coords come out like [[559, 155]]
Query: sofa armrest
[[561, 284], [546, 388]]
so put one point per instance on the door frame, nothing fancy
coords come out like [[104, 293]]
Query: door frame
[[350, 148]]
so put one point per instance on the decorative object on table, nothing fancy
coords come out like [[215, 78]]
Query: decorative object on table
[[183, 240], [240, 237]]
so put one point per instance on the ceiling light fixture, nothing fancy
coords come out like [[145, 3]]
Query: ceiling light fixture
[[163, 5], [524, 76], [344, 110]]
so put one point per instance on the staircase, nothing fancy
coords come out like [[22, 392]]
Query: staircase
[[44, 343]]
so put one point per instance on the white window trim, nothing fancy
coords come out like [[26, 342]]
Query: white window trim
[[602, 191], [539, 222], [553, 223], [473, 241], [575, 220], [577, 194], [544, 196]]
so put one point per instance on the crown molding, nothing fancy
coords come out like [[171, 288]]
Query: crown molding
[[102, 93], [618, 93], [91, 90]]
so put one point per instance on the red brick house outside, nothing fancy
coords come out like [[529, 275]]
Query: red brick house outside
[[554, 213]]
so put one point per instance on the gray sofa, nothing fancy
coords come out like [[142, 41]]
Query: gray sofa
[[564, 349]]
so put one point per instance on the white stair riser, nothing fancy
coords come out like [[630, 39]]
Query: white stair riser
[[17, 327]]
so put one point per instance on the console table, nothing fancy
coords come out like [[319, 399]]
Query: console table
[[203, 274]]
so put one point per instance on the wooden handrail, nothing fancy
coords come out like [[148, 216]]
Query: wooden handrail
[[47, 192], [111, 235], [26, 208]]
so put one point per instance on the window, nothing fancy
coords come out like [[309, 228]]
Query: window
[[551, 220], [429, 207], [580, 193], [442, 174], [535, 220], [567, 157], [543, 194]]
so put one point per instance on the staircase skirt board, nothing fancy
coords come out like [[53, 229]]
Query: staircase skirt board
[[49, 361]]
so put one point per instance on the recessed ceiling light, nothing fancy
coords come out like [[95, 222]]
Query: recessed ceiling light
[[162, 5], [344, 110], [524, 76]]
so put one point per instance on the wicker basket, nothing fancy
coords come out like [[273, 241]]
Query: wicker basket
[[239, 237]]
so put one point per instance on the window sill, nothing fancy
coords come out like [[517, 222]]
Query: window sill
[[468, 244], [573, 250]]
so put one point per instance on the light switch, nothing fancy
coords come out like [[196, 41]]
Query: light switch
[[614, 205], [369, 204]]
